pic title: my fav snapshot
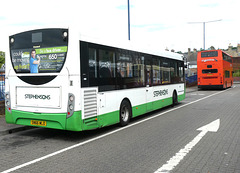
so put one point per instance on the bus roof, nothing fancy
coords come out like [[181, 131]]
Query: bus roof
[[132, 46], [128, 45]]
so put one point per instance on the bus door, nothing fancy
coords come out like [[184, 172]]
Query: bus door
[[149, 93]]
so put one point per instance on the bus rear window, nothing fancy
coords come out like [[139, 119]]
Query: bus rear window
[[209, 54], [39, 51], [210, 71]]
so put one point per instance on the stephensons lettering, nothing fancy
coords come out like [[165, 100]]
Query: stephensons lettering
[[160, 92], [32, 96]]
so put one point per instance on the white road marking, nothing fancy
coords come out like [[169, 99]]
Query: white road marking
[[174, 161], [194, 94], [102, 136]]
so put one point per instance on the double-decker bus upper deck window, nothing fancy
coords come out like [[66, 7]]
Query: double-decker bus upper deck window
[[209, 54], [45, 49]]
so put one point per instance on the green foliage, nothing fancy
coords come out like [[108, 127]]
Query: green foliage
[[2, 58], [236, 73]]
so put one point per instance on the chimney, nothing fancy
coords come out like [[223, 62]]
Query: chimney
[[238, 48], [230, 47], [189, 51]]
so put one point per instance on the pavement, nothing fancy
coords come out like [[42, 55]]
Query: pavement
[[11, 128]]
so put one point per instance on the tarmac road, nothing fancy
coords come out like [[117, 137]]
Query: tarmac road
[[145, 145]]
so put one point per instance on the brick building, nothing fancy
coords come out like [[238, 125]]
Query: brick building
[[235, 53], [191, 57]]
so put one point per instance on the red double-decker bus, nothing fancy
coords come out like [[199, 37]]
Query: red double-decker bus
[[215, 69]]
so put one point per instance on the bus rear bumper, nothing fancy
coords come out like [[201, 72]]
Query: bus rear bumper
[[45, 120], [210, 86]]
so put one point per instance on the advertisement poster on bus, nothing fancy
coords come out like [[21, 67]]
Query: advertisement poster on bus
[[50, 59]]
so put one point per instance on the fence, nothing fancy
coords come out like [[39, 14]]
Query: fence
[[2, 87], [191, 80]]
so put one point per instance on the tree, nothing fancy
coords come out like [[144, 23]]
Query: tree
[[2, 58]]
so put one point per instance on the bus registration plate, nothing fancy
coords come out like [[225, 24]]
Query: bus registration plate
[[38, 123]]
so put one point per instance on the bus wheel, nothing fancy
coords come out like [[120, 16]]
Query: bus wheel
[[125, 113], [174, 99]]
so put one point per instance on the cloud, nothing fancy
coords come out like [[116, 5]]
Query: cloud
[[210, 5], [161, 23], [124, 7]]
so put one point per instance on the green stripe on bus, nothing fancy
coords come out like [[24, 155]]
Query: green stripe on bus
[[75, 122]]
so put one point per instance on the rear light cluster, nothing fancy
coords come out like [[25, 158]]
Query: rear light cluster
[[71, 104], [220, 79], [8, 102]]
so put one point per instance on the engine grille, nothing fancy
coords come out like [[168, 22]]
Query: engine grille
[[90, 103]]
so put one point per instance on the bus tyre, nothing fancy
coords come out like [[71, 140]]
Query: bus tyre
[[174, 99], [125, 113]]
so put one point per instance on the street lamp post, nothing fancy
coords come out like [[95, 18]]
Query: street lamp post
[[128, 21], [204, 28]]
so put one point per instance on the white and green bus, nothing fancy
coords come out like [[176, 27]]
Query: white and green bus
[[80, 83]]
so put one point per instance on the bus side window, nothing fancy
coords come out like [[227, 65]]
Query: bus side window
[[106, 64], [92, 54], [107, 71], [180, 72], [148, 70], [125, 70], [174, 72], [227, 74], [138, 71], [165, 70], [156, 71]]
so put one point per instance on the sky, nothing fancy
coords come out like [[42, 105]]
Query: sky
[[171, 24]]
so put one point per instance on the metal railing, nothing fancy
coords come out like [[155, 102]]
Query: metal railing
[[2, 87]]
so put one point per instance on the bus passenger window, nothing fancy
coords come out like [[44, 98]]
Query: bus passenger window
[[227, 74], [92, 63], [165, 68], [106, 64], [138, 71], [209, 71], [156, 72], [180, 71], [209, 66], [174, 72], [125, 70]]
